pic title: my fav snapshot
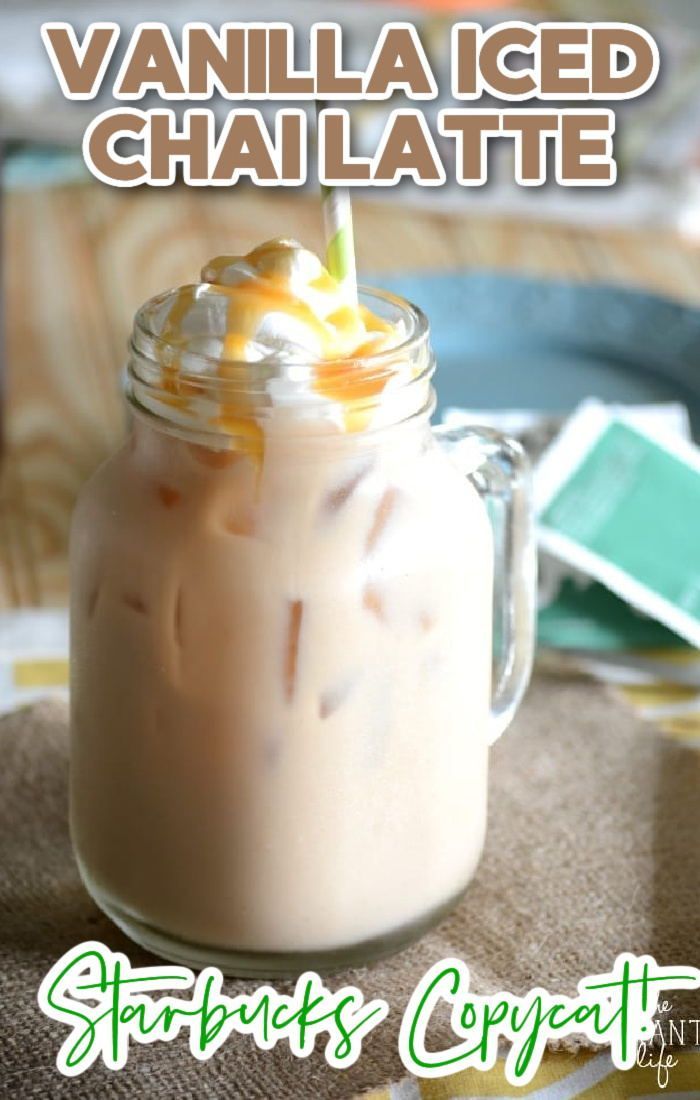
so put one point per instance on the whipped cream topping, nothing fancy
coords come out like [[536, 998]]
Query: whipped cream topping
[[277, 307], [285, 307]]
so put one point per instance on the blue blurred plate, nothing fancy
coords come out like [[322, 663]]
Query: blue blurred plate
[[511, 342]]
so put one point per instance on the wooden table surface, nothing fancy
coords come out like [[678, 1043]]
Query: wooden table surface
[[79, 260]]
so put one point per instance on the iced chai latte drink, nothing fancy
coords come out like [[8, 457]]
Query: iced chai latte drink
[[282, 592]]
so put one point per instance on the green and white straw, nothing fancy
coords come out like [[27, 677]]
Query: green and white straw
[[337, 226], [340, 245]]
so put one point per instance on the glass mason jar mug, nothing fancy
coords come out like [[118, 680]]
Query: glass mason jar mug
[[283, 639]]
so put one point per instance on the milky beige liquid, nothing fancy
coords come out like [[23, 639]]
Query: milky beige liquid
[[281, 682]]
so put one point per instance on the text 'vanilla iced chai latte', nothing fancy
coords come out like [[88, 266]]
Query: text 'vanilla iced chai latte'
[[282, 593]]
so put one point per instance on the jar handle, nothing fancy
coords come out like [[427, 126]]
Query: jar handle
[[499, 470]]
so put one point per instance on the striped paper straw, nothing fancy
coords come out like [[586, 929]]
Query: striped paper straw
[[340, 245]]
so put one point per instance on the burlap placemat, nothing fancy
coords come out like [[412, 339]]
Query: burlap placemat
[[593, 848]]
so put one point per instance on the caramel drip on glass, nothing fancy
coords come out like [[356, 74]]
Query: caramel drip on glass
[[261, 286]]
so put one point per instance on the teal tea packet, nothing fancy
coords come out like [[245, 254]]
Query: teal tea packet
[[577, 613], [590, 617], [622, 504]]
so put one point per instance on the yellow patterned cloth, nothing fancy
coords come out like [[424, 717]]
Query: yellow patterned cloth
[[561, 1077]]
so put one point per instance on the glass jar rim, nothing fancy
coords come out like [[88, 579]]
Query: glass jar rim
[[146, 343], [199, 394]]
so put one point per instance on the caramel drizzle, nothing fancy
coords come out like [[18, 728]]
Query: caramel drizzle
[[348, 331]]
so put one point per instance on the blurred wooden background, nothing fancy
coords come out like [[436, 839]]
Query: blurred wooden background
[[78, 261]]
